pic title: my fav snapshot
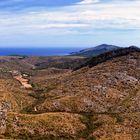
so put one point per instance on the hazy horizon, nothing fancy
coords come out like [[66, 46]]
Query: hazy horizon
[[61, 47], [69, 47]]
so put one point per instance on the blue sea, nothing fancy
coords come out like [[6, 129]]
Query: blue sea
[[38, 51]]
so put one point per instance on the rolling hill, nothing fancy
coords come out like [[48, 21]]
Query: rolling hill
[[96, 99]]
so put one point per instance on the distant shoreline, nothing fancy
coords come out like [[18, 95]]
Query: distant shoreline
[[37, 51]]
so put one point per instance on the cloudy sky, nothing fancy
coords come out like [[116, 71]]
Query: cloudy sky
[[69, 23]]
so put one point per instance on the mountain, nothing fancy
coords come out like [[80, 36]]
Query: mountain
[[108, 56], [95, 50], [97, 100]]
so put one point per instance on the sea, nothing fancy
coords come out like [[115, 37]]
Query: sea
[[37, 51]]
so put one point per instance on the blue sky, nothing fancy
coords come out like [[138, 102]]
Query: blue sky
[[69, 23]]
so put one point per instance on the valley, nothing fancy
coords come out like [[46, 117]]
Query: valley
[[71, 97]]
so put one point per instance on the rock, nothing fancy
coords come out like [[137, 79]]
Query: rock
[[4, 107]]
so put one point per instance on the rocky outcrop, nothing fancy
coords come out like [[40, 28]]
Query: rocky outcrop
[[4, 107]]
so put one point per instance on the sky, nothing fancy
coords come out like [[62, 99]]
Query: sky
[[69, 23]]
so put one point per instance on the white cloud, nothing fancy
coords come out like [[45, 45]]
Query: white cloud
[[89, 1], [85, 17]]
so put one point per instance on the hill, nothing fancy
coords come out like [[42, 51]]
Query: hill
[[118, 75], [98, 100], [94, 51], [108, 56]]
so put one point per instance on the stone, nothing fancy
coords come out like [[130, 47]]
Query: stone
[[4, 107]]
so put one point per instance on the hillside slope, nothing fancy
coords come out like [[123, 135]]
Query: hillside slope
[[105, 87], [98, 100], [108, 56]]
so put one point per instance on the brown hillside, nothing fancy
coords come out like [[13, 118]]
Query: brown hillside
[[99, 101]]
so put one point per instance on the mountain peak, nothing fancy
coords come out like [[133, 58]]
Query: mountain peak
[[106, 46], [94, 51]]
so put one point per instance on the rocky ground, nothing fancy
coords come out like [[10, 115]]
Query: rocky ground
[[65, 101]]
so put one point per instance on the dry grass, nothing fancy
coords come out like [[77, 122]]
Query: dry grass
[[102, 101], [48, 125]]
